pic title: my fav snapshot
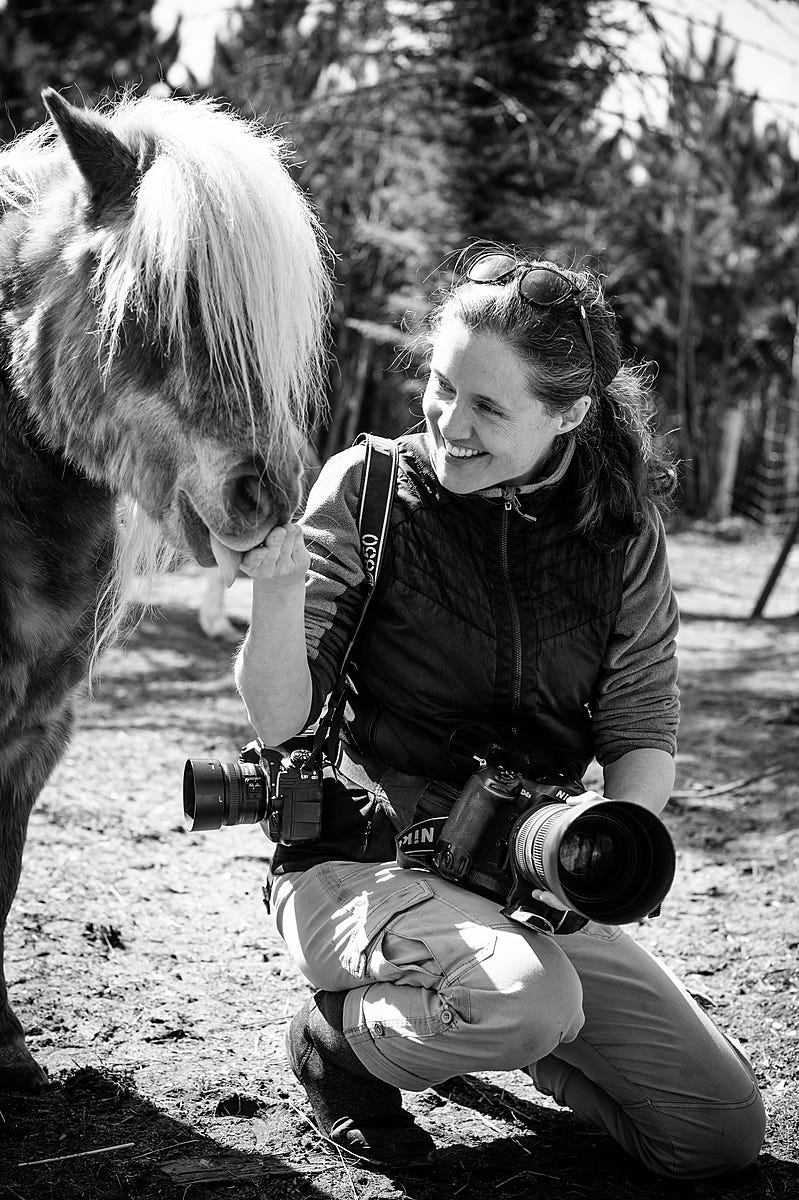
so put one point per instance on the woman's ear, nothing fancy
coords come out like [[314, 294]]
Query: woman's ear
[[570, 418]]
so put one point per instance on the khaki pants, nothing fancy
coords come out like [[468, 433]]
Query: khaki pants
[[440, 984]]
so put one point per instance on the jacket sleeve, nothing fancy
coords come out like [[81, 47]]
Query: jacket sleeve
[[335, 587], [637, 703]]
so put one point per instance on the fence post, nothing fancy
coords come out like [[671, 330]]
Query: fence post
[[768, 586]]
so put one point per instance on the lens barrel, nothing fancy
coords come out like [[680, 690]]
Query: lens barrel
[[217, 793], [609, 860]]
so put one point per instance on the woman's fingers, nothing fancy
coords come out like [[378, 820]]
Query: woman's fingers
[[282, 555], [548, 898]]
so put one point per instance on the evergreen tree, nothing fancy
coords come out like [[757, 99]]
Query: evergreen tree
[[91, 46], [697, 262], [514, 87]]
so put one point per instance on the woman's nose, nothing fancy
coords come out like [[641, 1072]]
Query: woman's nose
[[453, 421]]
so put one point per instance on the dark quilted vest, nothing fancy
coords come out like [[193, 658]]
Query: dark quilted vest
[[481, 617]]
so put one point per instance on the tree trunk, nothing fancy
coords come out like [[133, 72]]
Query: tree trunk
[[732, 427], [791, 478], [684, 381]]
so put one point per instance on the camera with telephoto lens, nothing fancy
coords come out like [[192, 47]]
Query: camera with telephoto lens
[[609, 861], [282, 788]]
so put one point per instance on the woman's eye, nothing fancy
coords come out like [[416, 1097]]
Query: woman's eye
[[489, 409]]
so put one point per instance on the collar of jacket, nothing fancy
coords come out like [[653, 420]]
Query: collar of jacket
[[554, 476]]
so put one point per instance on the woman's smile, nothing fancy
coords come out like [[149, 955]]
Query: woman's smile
[[462, 452]]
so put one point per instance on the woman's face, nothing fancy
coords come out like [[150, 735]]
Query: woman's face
[[486, 427]]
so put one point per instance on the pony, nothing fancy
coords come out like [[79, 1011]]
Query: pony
[[164, 295]]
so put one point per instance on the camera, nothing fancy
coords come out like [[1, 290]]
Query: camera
[[281, 788], [606, 860]]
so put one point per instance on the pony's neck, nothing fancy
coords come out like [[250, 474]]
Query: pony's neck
[[54, 521], [25, 457]]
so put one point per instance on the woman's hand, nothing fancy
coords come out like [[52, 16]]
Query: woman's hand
[[281, 560]]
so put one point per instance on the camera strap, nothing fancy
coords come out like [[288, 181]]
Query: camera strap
[[378, 485], [416, 847]]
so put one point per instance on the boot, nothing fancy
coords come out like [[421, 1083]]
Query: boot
[[355, 1110]]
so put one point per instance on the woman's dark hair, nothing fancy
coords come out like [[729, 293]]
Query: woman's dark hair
[[617, 466]]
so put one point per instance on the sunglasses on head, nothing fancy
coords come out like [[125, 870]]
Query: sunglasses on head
[[537, 283]]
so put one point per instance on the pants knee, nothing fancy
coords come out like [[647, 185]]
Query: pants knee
[[732, 1142], [742, 1140], [542, 1008]]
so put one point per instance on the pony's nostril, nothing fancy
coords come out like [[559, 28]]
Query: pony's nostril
[[251, 493], [246, 495]]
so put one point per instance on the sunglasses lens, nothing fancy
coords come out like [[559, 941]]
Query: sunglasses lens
[[491, 268], [542, 286]]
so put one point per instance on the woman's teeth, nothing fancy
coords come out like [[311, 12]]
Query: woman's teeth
[[461, 451]]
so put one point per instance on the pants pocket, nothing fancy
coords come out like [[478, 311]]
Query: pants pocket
[[366, 915]]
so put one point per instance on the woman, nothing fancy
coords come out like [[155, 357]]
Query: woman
[[525, 599]]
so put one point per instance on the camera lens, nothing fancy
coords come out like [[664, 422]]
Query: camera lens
[[592, 856], [608, 860], [217, 793]]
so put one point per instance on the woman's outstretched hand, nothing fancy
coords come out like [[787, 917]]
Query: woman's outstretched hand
[[282, 559]]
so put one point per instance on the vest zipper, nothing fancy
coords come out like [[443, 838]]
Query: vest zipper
[[511, 498], [516, 631]]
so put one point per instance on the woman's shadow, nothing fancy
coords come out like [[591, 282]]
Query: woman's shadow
[[557, 1155]]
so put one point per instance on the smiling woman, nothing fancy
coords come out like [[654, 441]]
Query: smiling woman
[[523, 622]]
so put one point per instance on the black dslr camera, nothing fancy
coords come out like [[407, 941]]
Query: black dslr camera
[[605, 860], [282, 788]]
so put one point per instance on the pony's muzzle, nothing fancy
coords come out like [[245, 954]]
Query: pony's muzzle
[[254, 507]]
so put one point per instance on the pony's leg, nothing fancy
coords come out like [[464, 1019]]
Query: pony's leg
[[211, 614], [18, 1070], [25, 764]]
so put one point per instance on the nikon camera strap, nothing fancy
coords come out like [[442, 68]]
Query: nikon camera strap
[[374, 513]]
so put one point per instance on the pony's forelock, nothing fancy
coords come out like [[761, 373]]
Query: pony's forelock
[[220, 234]]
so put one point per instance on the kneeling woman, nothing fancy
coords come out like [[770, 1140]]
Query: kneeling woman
[[526, 589]]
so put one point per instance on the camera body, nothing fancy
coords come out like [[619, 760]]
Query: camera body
[[281, 788], [506, 835], [473, 847]]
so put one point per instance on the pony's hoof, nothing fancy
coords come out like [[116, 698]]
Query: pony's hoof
[[19, 1071], [219, 628]]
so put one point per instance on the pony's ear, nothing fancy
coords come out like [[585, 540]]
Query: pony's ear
[[106, 164]]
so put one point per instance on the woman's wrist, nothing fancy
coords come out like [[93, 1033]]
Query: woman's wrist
[[281, 587]]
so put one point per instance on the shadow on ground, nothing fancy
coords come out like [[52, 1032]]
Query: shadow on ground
[[548, 1155], [90, 1110], [557, 1156]]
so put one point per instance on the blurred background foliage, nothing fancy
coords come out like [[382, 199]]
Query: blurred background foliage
[[420, 126]]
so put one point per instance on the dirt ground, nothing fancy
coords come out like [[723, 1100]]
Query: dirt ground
[[156, 994]]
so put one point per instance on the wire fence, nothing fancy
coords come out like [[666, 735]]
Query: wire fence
[[767, 482]]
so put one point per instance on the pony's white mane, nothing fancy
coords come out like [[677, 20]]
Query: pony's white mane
[[219, 234]]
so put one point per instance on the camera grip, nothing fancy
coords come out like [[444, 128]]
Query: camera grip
[[471, 815], [295, 814]]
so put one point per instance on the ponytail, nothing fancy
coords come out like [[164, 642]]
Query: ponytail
[[619, 471]]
